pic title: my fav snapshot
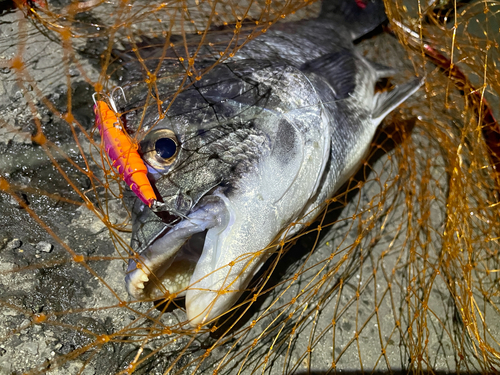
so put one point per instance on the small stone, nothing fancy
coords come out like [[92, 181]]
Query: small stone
[[31, 348], [10, 312], [14, 244], [74, 72], [44, 246], [2, 351]]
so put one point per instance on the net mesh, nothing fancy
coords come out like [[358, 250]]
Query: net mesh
[[398, 273]]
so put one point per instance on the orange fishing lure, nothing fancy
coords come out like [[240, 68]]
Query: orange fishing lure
[[123, 153]]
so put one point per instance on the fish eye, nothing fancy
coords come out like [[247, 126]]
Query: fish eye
[[166, 147], [159, 149]]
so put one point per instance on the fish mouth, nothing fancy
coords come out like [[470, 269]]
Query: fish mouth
[[159, 279], [165, 267]]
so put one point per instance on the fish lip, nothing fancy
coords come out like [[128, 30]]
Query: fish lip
[[146, 274]]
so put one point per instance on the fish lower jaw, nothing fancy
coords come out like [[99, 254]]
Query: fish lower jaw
[[137, 281], [212, 296], [155, 284], [204, 306]]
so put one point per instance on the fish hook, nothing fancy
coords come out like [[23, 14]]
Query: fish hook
[[111, 96], [93, 98]]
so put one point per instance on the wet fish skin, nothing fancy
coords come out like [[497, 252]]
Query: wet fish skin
[[264, 139]]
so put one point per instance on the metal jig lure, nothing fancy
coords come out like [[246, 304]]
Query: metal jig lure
[[122, 151]]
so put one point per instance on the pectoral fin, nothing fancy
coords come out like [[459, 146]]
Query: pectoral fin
[[338, 69], [385, 102]]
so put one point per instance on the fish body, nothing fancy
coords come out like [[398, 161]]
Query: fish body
[[260, 142]]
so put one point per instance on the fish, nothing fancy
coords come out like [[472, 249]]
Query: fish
[[246, 154]]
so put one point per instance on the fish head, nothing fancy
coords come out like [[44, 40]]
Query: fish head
[[235, 172], [188, 156]]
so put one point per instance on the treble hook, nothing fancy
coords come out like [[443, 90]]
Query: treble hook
[[110, 97], [93, 98], [111, 100]]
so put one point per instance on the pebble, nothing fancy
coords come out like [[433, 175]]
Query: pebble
[[44, 246], [14, 244]]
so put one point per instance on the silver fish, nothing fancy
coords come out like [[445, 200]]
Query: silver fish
[[260, 141]]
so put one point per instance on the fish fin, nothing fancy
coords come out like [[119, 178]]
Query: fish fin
[[385, 102], [361, 16], [382, 71], [339, 70]]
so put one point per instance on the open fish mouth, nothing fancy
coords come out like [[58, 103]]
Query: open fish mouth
[[201, 257], [165, 267]]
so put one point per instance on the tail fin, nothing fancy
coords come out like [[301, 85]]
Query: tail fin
[[362, 16]]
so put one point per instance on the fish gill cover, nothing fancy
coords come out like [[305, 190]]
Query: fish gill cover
[[398, 273]]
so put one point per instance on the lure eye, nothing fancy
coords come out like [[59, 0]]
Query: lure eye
[[159, 149], [166, 147]]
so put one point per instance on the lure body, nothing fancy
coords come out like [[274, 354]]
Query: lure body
[[123, 153]]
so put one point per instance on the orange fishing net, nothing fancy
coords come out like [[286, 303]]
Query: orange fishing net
[[399, 272]]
